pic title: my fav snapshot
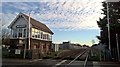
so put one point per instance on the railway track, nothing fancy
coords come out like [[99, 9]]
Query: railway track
[[69, 54], [72, 59]]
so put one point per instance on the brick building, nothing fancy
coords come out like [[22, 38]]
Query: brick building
[[35, 44]]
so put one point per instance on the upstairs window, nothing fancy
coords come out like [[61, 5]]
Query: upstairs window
[[19, 32], [33, 32], [41, 35], [24, 34], [14, 33]]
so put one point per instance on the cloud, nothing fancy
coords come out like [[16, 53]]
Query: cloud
[[113, 0], [7, 18], [61, 14]]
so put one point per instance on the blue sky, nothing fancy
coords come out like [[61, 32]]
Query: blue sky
[[73, 20]]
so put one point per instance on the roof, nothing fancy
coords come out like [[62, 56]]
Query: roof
[[36, 24]]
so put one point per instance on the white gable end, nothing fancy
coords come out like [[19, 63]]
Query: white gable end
[[20, 22]]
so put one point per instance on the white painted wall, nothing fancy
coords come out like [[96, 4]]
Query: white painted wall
[[20, 21]]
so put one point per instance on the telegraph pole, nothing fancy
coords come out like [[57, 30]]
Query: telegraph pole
[[28, 37], [117, 47], [118, 44], [109, 28], [108, 25], [29, 31]]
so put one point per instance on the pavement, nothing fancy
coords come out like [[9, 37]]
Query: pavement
[[106, 64], [28, 63], [19, 61], [54, 63], [91, 64]]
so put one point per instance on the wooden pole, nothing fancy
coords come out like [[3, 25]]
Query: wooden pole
[[29, 32]]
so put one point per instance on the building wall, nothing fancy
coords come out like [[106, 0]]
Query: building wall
[[20, 26], [20, 21], [40, 48], [66, 45]]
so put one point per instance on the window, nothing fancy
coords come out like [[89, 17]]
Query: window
[[33, 32], [50, 37], [41, 35], [34, 47], [37, 33], [19, 32], [14, 33], [47, 37], [44, 36], [24, 34], [20, 16]]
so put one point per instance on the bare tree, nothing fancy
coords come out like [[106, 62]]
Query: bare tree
[[5, 32], [5, 36]]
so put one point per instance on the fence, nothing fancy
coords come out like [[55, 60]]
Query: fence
[[21, 53]]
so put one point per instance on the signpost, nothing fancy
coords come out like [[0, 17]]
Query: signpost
[[20, 26], [17, 51]]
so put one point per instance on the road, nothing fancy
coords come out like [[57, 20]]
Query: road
[[79, 59]]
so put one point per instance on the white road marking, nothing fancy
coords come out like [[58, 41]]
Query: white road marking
[[36, 60], [60, 62], [53, 60], [96, 64]]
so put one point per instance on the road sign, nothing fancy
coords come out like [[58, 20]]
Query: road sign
[[17, 51]]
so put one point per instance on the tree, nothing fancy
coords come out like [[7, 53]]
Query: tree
[[114, 15], [5, 36], [102, 24]]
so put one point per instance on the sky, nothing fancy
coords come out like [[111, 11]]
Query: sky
[[70, 20]]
